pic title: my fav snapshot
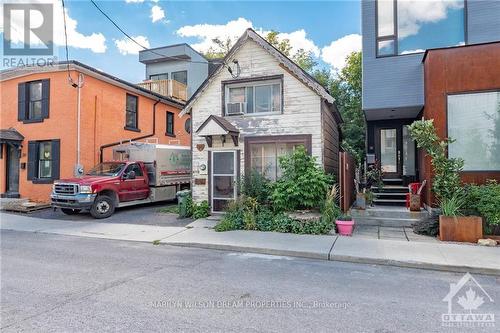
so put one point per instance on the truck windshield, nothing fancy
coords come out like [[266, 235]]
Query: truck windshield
[[107, 169]]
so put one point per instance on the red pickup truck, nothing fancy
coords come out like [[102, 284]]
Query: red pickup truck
[[102, 189], [163, 171]]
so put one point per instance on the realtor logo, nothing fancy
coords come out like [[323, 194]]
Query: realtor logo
[[464, 300], [28, 29]]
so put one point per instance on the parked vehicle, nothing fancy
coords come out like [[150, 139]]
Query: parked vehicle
[[139, 173]]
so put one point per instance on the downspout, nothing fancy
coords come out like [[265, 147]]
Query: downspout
[[79, 168], [101, 149]]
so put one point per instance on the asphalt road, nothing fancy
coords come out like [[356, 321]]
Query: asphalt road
[[52, 283], [147, 214]]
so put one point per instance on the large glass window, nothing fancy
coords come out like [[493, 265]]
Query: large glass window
[[474, 122], [264, 157], [254, 97], [405, 27], [156, 77], [181, 76]]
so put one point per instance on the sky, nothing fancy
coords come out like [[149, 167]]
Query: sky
[[329, 29]]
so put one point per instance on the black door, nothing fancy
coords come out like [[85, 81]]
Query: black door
[[12, 172], [388, 148]]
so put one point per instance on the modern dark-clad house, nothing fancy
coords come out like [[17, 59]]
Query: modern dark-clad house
[[433, 60]]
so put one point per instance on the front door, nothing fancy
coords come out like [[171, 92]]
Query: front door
[[223, 179], [396, 152], [389, 148], [12, 184]]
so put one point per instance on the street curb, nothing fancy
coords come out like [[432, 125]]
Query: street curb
[[417, 264], [235, 248], [333, 257]]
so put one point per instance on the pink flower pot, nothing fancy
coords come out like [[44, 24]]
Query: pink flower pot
[[345, 227]]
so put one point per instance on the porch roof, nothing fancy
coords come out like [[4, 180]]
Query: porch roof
[[217, 126], [10, 135]]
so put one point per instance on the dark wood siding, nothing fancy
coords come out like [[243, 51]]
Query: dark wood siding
[[331, 139]]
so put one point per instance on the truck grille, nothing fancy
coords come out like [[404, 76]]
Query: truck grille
[[66, 189]]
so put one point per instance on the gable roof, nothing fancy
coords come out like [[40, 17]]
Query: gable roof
[[223, 123], [294, 69]]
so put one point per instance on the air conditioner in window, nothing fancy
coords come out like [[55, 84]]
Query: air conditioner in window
[[236, 108]]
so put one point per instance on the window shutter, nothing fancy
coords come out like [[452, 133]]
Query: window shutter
[[56, 158], [21, 100], [45, 98], [32, 160]]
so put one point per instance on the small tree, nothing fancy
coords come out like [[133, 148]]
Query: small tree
[[446, 183], [302, 185]]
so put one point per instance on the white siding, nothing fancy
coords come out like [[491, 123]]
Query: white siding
[[301, 110]]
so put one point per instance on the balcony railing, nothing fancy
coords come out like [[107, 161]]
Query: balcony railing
[[169, 88]]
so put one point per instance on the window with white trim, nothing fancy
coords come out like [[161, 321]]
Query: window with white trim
[[253, 97]]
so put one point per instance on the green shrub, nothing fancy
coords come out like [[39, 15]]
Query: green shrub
[[189, 205], [303, 184], [200, 210], [446, 181], [484, 200], [314, 227], [256, 186], [264, 219], [282, 223], [239, 214], [229, 222]]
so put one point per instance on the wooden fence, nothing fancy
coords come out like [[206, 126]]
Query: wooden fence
[[347, 169]]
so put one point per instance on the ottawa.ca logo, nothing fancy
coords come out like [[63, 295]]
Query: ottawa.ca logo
[[465, 299]]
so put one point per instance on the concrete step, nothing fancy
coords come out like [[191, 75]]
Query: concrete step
[[389, 212], [400, 202], [384, 221], [384, 194], [390, 188]]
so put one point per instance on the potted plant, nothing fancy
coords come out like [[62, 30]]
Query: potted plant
[[453, 226], [446, 185], [345, 225]]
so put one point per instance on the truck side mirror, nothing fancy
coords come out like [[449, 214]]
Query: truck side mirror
[[131, 175]]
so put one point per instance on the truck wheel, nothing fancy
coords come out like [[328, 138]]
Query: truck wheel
[[69, 211], [103, 207]]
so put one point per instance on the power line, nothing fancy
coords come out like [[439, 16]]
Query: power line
[[142, 46], [66, 42]]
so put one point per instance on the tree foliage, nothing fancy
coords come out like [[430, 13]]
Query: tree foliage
[[345, 87], [303, 183]]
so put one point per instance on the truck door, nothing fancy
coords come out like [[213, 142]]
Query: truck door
[[136, 188]]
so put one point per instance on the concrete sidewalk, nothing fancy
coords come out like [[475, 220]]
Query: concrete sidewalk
[[426, 255]]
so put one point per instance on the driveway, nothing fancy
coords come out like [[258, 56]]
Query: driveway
[[147, 214]]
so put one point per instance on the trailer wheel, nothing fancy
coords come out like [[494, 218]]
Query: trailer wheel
[[103, 207], [70, 211]]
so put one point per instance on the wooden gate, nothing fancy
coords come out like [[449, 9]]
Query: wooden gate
[[347, 169]]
